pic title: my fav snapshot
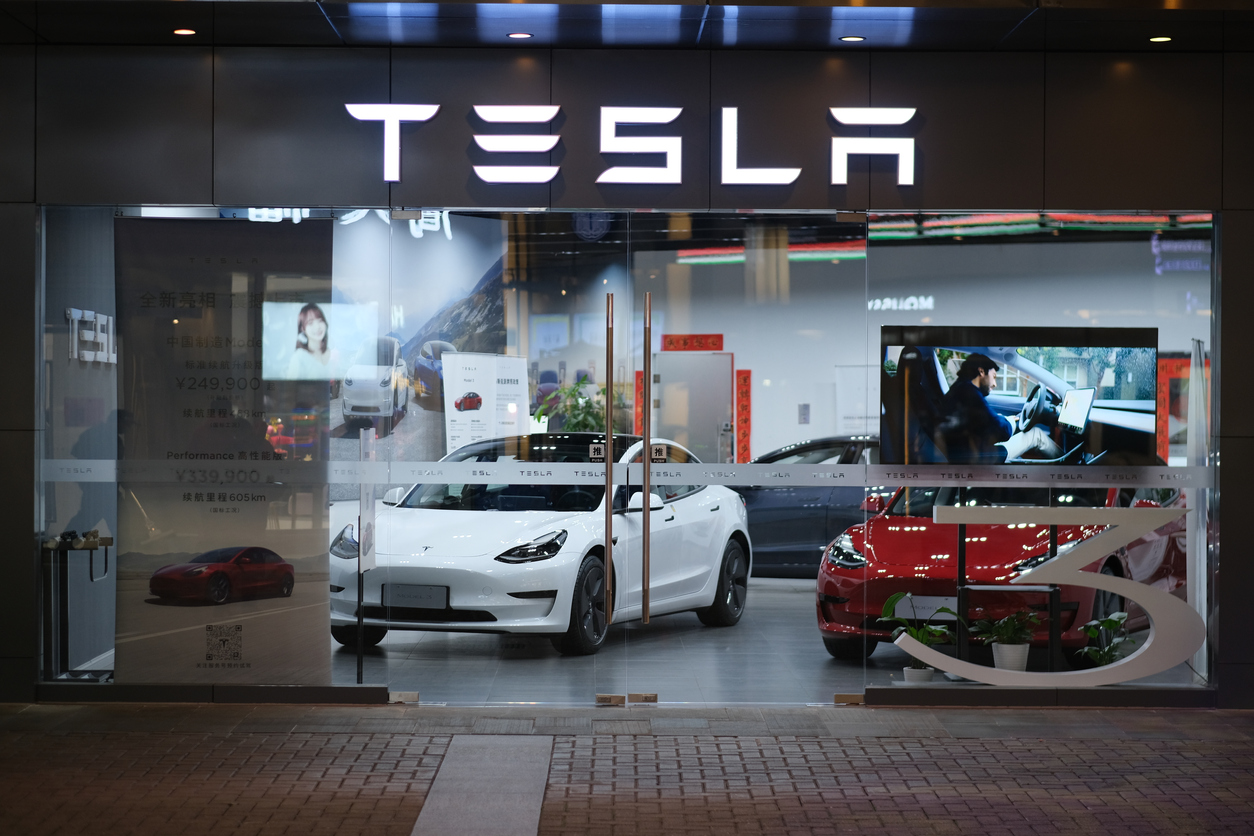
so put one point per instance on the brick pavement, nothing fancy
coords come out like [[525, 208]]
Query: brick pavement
[[823, 770], [794, 785]]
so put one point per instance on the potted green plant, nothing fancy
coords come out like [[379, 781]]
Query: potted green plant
[[1112, 640], [1009, 637], [577, 411], [924, 632]]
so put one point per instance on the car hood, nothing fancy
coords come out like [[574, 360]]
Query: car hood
[[177, 569], [364, 374], [917, 541], [414, 532]]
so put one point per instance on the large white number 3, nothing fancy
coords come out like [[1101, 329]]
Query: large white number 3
[[1176, 630]]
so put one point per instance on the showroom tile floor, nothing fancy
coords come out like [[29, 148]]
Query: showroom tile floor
[[774, 655], [167, 769]]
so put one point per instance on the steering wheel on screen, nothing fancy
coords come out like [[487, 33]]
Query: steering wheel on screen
[[1034, 408]]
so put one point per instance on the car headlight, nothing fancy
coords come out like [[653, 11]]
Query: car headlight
[[199, 570], [541, 548], [1036, 560], [384, 382], [348, 381], [842, 553], [345, 544]]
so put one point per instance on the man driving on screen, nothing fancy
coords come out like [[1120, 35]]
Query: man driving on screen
[[971, 432]]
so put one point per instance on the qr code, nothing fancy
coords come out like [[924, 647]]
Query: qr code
[[224, 642]]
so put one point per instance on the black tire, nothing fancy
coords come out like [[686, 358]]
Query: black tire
[[286, 585], [852, 649], [219, 589], [732, 591], [347, 635], [588, 626], [1104, 604]]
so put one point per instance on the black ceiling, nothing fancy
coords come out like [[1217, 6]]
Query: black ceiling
[[975, 25]]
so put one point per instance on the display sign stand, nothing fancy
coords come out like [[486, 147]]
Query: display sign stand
[[1057, 662], [365, 544], [57, 569]]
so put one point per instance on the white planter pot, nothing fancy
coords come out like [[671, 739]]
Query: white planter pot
[[918, 674], [1010, 657]]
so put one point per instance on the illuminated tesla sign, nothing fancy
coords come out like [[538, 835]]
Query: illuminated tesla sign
[[612, 142]]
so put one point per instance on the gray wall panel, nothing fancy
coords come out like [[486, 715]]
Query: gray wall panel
[[17, 129], [17, 679], [124, 125], [18, 438], [18, 620], [437, 157], [282, 136], [1238, 130], [18, 339], [784, 122], [1236, 407], [1236, 446], [586, 80], [1236, 568], [979, 129], [1132, 131]]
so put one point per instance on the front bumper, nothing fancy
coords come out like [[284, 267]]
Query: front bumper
[[484, 596], [196, 586], [849, 606]]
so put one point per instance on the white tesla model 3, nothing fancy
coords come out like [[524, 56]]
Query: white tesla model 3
[[529, 558]]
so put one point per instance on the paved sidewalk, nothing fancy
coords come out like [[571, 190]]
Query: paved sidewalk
[[129, 769]]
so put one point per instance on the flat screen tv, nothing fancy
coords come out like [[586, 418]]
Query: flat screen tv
[[1000, 395]]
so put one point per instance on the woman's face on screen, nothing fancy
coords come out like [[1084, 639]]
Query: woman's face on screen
[[315, 330]]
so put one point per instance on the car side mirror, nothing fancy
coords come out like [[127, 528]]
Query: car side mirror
[[394, 496], [636, 503], [873, 504]]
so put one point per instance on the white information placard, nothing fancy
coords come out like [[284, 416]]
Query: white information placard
[[485, 396]]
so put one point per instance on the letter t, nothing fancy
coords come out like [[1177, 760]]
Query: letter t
[[392, 115]]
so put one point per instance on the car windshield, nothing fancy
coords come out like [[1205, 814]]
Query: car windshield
[[811, 455], [537, 448], [218, 555], [433, 351], [918, 502]]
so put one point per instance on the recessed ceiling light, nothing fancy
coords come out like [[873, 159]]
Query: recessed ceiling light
[[185, 31], [853, 38], [1161, 39], [520, 36]]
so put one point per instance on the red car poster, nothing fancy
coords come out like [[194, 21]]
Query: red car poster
[[222, 477]]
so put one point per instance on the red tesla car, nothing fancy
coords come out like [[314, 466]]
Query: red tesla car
[[901, 549], [218, 575], [468, 401]]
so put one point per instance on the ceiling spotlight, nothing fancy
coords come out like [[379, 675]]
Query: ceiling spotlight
[[519, 36], [852, 39], [185, 31], [1161, 39]]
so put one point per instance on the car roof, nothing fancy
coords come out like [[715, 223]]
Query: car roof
[[816, 443]]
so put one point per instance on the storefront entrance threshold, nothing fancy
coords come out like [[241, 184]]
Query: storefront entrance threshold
[[74, 692], [1130, 696]]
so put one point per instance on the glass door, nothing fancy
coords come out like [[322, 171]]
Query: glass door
[[492, 578], [753, 394]]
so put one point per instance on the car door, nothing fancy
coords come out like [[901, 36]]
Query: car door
[[698, 523], [665, 551], [788, 524], [251, 569]]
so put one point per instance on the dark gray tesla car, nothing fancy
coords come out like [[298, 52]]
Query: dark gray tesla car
[[791, 525]]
